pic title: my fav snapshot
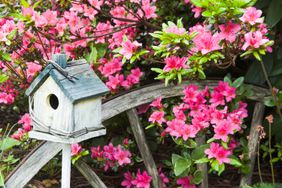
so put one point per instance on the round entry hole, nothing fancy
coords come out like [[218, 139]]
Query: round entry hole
[[53, 101]]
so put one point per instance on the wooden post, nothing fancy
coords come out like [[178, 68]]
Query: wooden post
[[253, 142], [203, 167], [66, 166], [143, 147]]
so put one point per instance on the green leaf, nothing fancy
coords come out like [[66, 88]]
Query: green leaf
[[235, 162], [197, 3], [3, 78], [201, 74], [221, 169], [202, 160], [238, 82], [8, 143], [2, 179], [197, 177], [211, 140], [175, 157], [269, 101], [199, 152], [36, 4], [215, 165], [257, 56], [227, 79], [24, 3], [274, 13], [181, 165], [158, 70], [6, 56]]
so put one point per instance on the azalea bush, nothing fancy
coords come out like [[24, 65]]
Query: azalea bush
[[130, 43], [217, 114]]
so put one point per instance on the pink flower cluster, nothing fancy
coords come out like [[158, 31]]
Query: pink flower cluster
[[111, 156], [8, 92], [175, 63], [185, 182], [202, 110], [142, 180], [75, 149], [118, 80], [25, 121]]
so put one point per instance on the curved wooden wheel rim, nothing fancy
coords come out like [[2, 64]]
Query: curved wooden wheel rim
[[29, 166]]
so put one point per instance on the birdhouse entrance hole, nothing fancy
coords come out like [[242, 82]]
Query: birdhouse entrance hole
[[53, 101]]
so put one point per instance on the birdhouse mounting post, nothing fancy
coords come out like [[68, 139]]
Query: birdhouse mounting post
[[66, 166]]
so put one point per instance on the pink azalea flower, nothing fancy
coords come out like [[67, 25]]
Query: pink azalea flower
[[75, 149], [148, 10], [197, 11], [19, 134], [218, 152], [174, 129], [222, 130], [102, 29], [185, 182], [178, 113], [188, 131], [157, 103], [26, 121], [157, 117], [175, 30], [32, 69], [229, 31], [206, 42], [174, 62], [96, 3], [97, 153], [51, 17], [40, 21], [122, 156], [252, 16], [128, 48], [163, 177], [109, 151], [142, 180], [254, 40], [127, 182], [111, 67], [134, 77], [114, 82]]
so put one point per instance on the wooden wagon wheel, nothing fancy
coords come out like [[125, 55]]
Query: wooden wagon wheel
[[127, 102]]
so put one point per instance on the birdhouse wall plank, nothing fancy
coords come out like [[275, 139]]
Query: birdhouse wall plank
[[88, 113], [59, 118]]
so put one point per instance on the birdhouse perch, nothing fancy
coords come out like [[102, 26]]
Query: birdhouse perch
[[65, 102]]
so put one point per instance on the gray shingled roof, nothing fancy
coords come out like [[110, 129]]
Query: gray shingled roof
[[84, 84]]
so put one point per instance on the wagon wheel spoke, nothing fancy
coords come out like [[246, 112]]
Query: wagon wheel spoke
[[253, 141], [92, 178], [32, 163], [143, 146]]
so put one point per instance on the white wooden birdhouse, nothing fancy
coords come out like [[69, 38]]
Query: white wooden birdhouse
[[65, 102]]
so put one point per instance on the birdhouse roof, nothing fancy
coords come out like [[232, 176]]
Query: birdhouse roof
[[81, 83]]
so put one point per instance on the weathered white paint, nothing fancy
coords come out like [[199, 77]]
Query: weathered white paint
[[66, 166], [59, 119], [45, 136], [87, 113]]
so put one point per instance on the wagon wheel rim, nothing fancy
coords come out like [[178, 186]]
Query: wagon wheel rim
[[124, 102]]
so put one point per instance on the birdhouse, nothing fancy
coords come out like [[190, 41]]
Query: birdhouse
[[65, 102]]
